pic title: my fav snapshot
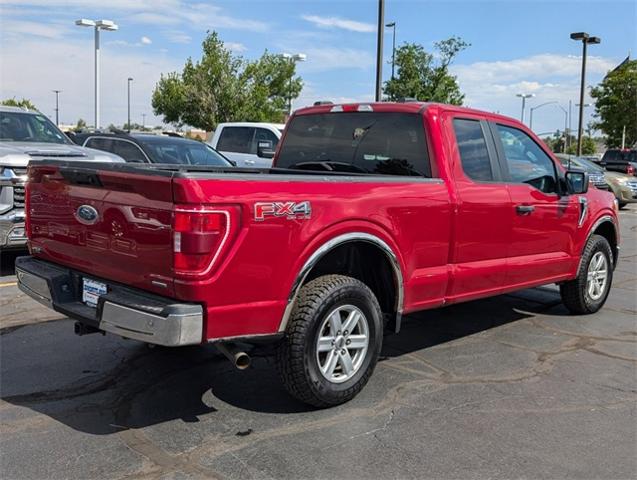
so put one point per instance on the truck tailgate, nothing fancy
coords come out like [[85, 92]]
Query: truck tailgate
[[112, 224]]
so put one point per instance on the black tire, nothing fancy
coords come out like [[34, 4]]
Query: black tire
[[574, 293], [621, 205], [297, 357]]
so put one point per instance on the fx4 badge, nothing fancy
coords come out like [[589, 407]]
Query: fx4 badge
[[289, 210]]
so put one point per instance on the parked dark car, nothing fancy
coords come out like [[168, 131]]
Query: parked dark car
[[151, 148], [596, 173], [623, 161]]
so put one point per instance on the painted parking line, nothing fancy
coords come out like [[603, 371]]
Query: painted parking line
[[8, 284]]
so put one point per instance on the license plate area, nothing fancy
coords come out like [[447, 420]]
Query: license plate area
[[92, 290]]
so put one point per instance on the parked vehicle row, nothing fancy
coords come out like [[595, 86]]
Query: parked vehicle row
[[618, 160], [370, 211], [26, 135]]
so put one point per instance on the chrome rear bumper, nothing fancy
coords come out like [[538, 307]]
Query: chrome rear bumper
[[123, 311]]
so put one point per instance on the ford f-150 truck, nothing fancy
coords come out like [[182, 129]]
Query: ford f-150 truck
[[370, 212]]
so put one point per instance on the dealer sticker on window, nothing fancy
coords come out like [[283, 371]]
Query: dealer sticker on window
[[91, 291]]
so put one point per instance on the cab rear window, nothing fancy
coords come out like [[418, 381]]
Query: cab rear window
[[357, 142]]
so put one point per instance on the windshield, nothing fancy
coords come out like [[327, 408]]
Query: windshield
[[184, 152], [360, 142], [590, 166], [29, 127]]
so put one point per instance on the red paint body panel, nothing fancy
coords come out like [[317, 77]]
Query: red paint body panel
[[454, 239]]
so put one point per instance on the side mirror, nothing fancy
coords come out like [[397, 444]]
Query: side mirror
[[265, 149], [577, 181]]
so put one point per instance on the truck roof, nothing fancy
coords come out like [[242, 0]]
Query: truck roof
[[404, 107]]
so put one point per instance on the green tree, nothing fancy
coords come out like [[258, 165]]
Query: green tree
[[81, 125], [24, 103], [616, 104], [222, 87], [588, 146], [425, 76]]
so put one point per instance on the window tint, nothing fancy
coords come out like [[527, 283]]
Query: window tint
[[181, 151], [98, 143], [362, 142], [527, 162], [29, 127], [236, 139], [128, 151], [263, 134], [473, 149]]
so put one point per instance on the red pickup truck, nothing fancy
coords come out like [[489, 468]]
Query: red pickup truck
[[370, 211]]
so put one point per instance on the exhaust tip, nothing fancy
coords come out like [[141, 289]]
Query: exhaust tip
[[242, 360]]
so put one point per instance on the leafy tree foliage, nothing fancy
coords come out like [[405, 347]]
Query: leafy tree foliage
[[24, 103], [425, 76], [222, 87], [616, 104]]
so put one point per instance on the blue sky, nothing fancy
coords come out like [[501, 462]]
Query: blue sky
[[516, 46]]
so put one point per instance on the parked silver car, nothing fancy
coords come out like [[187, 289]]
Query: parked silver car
[[26, 135]]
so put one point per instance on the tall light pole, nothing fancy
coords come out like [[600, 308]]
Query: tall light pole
[[392, 25], [585, 38], [293, 58], [129, 81], [379, 50], [566, 126], [524, 96], [98, 25], [57, 106], [532, 109]]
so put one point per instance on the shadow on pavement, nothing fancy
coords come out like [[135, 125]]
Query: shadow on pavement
[[7, 261], [101, 385]]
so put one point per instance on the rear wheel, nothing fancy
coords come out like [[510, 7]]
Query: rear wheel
[[332, 342], [587, 293]]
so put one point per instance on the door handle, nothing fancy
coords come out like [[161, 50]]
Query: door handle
[[250, 162], [524, 209]]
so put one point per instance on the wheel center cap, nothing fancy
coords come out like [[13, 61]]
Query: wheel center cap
[[340, 341]]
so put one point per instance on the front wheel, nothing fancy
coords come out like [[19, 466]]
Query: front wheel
[[332, 342], [587, 293]]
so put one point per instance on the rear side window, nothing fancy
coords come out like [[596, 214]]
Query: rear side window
[[236, 139], [128, 151], [98, 143], [357, 142], [263, 134], [472, 147]]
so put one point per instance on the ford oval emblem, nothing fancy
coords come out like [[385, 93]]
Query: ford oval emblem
[[86, 214]]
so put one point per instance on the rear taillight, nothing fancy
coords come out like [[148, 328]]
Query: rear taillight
[[630, 170], [200, 236], [27, 203]]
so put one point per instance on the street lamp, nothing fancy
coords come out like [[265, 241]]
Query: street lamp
[[524, 96], [379, 51], [293, 58], [98, 25], [535, 108], [57, 106], [129, 81], [566, 127], [585, 38], [392, 25]]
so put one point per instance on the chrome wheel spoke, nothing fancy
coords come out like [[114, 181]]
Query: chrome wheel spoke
[[352, 321], [357, 342], [325, 344], [346, 363], [336, 326], [330, 363]]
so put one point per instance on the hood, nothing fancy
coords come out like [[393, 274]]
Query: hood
[[18, 154]]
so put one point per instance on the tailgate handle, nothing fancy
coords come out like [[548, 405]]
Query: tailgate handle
[[81, 177], [524, 209]]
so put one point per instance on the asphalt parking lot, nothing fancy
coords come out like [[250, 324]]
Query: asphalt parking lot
[[509, 387]]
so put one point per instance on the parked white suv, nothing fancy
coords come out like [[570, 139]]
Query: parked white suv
[[248, 144], [27, 134]]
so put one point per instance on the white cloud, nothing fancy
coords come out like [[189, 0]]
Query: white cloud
[[177, 36], [235, 46], [333, 58], [342, 23], [70, 65], [146, 40], [493, 86]]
